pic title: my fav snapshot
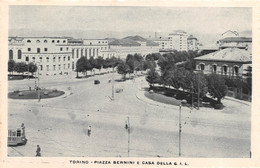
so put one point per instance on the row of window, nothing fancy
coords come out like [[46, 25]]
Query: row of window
[[224, 68], [46, 49], [46, 41], [54, 67]]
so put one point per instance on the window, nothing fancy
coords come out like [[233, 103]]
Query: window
[[67, 48], [53, 41], [68, 58], [59, 59], [19, 54], [236, 69], [64, 41], [77, 53], [28, 41], [45, 49], [61, 49], [225, 69], [38, 50], [90, 43], [59, 66], [54, 67], [19, 133], [11, 55], [72, 65], [47, 59], [64, 58], [29, 49], [27, 59], [41, 67], [73, 53], [214, 68], [45, 41], [54, 59], [40, 59], [99, 42], [47, 67], [101, 48], [64, 66], [58, 41], [202, 67], [68, 65], [37, 41], [33, 59]]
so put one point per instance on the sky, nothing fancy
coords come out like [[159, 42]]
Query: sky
[[118, 22]]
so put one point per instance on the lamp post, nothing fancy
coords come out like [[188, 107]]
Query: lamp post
[[182, 102]]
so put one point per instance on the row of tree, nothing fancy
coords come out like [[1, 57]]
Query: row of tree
[[83, 64], [177, 70], [133, 64], [21, 67]]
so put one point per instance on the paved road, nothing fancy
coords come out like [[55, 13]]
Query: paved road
[[60, 125]]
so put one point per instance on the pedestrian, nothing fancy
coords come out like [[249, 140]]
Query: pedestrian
[[126, 125], [38, 151], [89, 130]]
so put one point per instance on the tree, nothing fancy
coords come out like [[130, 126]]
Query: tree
[[216, 87], [32, 67], [80, 65], [83, 65], [11, 65], [93, 63], [148, 64], [123, 69], [99, 63], [21, 67], [152, 77]]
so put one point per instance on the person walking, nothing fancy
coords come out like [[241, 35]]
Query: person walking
[[89, 130], [38, 151]]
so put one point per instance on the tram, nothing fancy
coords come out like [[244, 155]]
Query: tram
[[17, 136]]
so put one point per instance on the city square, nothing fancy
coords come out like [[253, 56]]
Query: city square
[[59, 125]]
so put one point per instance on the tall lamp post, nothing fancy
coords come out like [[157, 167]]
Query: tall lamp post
[[182, 102]]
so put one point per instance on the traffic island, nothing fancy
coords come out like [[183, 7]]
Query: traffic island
[[35, 94]]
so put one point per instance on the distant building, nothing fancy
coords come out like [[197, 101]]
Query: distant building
[[228, 62], [55, 55], [231, 39], [192, 43], [178, 40], [133, 45]]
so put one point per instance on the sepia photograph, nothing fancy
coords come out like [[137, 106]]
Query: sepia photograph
[[129, 81]]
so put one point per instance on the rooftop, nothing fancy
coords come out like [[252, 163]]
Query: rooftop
[[236, 39], [229, 55]]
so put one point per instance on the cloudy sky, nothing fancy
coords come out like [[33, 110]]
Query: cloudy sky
[[102, 22]]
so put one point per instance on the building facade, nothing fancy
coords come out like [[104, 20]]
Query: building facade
[[232, 62], [55, 55]]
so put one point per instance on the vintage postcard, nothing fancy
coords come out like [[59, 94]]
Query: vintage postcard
[[123, 84]]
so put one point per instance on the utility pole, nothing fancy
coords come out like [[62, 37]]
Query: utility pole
[[198, 91], [38, 88], [128, 130], [180, 130], [113, 85]]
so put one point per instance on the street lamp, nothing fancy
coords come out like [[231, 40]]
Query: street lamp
[[182, 102]]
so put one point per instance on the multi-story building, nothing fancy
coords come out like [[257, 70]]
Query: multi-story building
[[55, 55], [192, 43], [178, 40], [231, 39]]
